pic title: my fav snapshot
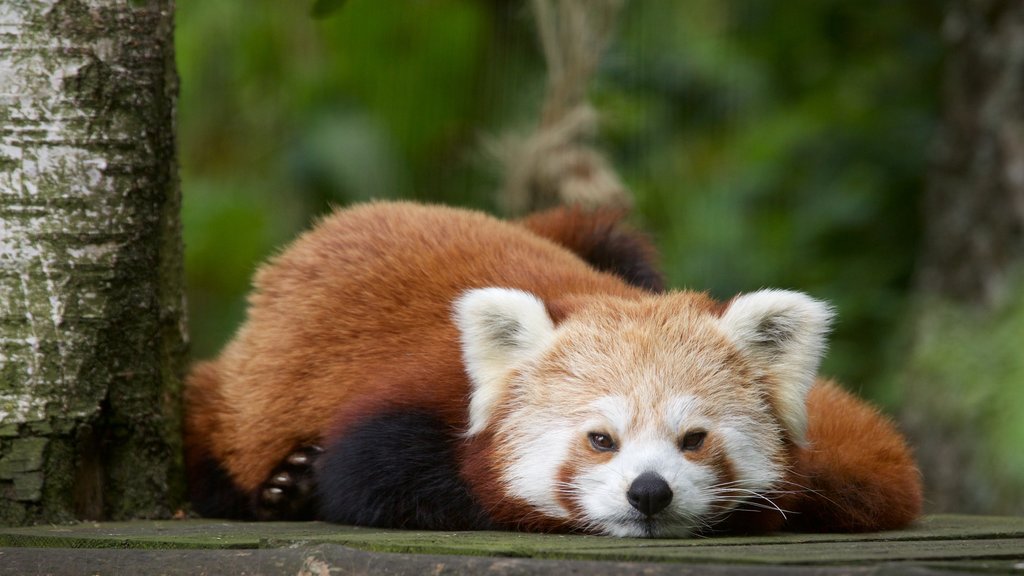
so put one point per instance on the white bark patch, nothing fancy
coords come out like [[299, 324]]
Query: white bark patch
[[72, 159], [21, 408]]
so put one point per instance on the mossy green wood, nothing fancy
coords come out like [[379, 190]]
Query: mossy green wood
[[936, 538]]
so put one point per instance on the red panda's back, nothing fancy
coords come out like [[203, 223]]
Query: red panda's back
[[359, 308]]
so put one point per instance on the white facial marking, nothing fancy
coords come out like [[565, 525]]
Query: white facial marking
[[612, 415], [680, 412], [533, 471], [754, 469]]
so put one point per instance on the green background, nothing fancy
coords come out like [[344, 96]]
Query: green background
[[767, 142]]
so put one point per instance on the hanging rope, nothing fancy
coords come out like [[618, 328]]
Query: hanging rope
[[556, 163]]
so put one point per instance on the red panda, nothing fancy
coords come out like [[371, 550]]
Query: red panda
[[426, 367]]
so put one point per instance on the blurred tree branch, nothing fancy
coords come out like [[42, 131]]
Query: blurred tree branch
[[965, 370]]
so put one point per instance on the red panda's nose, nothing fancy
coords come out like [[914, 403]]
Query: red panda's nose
[[649, 493]]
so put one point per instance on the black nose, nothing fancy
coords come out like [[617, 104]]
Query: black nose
[[649, 493]]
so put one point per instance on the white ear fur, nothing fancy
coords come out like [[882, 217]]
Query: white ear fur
[[500, 328], [783, 333]]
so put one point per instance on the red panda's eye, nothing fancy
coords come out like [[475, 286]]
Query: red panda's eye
[[692, 440], [601, 442]]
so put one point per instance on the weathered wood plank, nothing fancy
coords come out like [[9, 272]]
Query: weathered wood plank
[[936, 539], [331, 559]]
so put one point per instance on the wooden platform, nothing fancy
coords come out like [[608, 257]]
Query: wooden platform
[[937, 545]]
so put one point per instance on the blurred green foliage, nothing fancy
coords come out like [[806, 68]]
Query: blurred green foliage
[[962, 379], [768, 142]]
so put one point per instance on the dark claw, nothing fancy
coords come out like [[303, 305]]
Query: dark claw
[[289, 492]]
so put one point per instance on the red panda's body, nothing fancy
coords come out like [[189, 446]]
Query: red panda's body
[[394, 324]]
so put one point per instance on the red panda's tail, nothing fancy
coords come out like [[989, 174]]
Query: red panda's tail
[[602, 238], [857, 474]]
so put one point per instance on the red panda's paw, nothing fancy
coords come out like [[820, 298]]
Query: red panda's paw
[[213, 494], [290, 491]]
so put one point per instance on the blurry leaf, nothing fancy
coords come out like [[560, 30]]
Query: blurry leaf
[[324, 8], [348, 158], [414, 66]]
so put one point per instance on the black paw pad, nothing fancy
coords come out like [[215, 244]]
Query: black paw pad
[[290, 491]]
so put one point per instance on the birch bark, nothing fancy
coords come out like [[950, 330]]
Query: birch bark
[[92, 332]]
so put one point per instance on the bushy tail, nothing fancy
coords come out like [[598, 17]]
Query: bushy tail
[[603, 239], [857, 473]]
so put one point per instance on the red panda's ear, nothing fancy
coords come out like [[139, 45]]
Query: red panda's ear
[[783, 334], [499, 328]]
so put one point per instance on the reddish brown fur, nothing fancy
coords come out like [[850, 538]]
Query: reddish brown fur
[[205, 406], [315, 340], [858, 472], [355, 318]]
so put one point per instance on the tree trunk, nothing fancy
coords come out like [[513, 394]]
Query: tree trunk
[[964, 378], [92, 332]]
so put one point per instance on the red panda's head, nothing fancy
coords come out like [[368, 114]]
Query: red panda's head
[[651, 417]]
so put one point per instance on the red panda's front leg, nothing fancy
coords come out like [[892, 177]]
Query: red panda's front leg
[[397, 469]]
